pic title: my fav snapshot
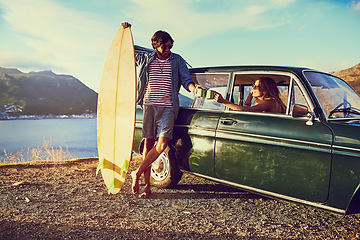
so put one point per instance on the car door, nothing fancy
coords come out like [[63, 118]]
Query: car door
[[275, 153], [196, 125]]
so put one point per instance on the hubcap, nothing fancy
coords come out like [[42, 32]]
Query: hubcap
[[160, 168]]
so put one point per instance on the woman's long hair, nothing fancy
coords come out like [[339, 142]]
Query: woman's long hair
[[271, 91]]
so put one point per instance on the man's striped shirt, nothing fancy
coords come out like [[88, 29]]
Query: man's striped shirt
[[159, 88]]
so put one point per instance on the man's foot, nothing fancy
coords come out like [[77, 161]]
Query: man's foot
[[135, 183], [146, 193]]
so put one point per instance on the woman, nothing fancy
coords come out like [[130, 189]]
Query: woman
[[267, 98]]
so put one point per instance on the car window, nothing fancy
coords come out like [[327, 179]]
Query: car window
[[243, 85], [297, 97], [210, 81], [337, 98]]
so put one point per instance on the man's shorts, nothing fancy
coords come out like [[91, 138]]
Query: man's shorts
[[158, 122]]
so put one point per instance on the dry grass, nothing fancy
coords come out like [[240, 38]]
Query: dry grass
[[46, 152]]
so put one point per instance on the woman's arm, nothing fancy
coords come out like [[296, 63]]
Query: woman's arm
[[262, 106], [218, 98], [249, 99]]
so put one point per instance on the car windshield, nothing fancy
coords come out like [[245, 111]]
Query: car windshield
[[336, 97]]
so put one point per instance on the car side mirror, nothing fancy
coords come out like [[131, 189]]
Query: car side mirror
[[302, 111], [299, 110]]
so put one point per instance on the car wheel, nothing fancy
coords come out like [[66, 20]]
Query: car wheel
[[164, 171]]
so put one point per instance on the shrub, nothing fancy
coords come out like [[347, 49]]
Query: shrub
[[46, 152]]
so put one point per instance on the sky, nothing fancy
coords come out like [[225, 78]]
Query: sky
[[72, 36]]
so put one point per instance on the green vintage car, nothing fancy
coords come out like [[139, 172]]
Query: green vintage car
[[309, 155]]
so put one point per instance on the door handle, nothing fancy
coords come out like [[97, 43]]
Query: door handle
[[228, 121]]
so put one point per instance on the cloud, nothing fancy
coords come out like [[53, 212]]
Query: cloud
[[282, 3], [26, 62], [355, 5], [45, 35], [190, 21], [53, 33]]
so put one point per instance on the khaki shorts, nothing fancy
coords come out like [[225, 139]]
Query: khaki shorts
[[158, 122]]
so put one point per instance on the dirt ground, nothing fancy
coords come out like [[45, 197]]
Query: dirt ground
[[66, 200]]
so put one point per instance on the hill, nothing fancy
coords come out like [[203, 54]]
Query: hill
[[44, 93], [351, 76]]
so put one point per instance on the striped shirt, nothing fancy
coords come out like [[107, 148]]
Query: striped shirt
[[159, 88]]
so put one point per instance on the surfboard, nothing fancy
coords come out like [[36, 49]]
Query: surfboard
[[116, 111]]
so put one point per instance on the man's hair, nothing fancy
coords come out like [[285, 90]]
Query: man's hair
[[160, 37]]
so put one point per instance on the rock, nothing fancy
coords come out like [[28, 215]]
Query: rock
[[21, 183]]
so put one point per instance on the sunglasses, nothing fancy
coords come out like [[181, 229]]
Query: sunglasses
[[164, 47], [256, 87]]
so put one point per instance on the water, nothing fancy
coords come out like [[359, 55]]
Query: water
[[76, 135]]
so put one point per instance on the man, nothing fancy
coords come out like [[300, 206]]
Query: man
[[161, 74]]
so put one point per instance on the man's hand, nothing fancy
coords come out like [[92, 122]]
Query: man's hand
[[197, 90], [125, 24]]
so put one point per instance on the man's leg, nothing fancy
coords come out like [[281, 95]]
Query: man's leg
[[150, 157], [147, 189], [149, 144]]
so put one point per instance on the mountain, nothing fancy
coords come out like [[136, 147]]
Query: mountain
[[43, 93], [351, 76]]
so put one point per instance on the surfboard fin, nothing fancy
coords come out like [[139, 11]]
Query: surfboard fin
[[115, 186], [195, 155], [112, 185], [100, 166], [124, 168]]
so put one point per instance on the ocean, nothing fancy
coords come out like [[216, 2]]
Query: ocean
[[78, 136]]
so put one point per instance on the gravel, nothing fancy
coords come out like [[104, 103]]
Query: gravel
[[66, 200]]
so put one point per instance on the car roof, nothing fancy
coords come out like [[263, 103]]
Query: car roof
[[248, 68]]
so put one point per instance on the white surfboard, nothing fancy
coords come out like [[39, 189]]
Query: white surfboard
[[116, 112]]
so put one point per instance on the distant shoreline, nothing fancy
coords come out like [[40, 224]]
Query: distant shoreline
[[41, 117]]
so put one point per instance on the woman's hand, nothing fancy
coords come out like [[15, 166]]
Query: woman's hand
[[218, 98]]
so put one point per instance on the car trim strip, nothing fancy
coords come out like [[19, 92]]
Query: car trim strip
[[269, 137], [276, 138], [337, 147], [183, 126], [272, 194]]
